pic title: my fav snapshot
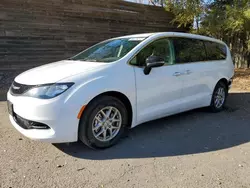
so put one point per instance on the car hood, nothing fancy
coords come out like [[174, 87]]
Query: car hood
[[54, 72]]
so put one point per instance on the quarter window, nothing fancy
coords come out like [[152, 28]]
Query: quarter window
[[215, 51], [188, 50], [159, 48]]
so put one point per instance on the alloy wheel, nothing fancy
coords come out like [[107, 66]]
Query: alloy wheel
[[107, 123], [219, 97]]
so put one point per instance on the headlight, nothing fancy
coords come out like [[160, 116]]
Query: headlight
[[48, 91]]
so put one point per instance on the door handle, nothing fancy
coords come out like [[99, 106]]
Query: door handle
[[188, 72], [177, 74]]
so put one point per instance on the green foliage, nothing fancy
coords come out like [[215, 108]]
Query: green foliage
[[228, 20], [186, 10], [237, 16]]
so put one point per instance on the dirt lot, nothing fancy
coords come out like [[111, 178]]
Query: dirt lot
[[192, 149], [242, 80]]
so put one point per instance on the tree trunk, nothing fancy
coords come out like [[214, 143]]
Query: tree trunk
[[197, 25]]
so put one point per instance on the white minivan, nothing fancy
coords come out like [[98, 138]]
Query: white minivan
[[118, 84]]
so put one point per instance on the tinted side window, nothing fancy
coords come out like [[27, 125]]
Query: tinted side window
[[159, 48], [188, 50], [215, 51]]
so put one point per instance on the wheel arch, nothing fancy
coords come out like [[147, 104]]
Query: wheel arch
[[224, 81], [122, 97]]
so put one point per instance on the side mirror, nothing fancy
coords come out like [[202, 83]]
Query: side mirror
[[151, 62]]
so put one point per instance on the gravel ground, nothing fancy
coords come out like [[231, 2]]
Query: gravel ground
[[192, 149]]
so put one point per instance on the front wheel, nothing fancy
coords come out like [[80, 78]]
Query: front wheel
[[219, 97], [103, 123]]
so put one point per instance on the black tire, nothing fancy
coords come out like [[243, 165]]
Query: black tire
[[85, 132], [213, 106]]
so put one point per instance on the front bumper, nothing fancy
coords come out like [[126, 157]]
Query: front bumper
[[60, 117]]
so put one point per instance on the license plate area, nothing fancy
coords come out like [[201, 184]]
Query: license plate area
[[10, 108]]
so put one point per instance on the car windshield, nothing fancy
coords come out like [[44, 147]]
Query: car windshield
[[108, 51]]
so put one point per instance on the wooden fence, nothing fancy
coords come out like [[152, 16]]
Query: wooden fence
[[34, 32]]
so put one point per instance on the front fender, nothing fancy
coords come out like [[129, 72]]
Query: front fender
[[84, 92]]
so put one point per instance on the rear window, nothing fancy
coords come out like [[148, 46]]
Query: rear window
[[188, 50], [215, 51]]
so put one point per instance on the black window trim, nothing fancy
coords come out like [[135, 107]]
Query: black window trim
[[138, 51], [173, 52]]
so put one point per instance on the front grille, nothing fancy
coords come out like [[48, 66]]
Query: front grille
[[27, 124], [18, 89]]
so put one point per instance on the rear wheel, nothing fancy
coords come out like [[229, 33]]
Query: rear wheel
[[103, 122], [219, 97]]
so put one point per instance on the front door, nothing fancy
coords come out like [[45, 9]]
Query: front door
[[158, 93]]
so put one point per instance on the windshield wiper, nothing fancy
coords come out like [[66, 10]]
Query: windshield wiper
[[91, 60]]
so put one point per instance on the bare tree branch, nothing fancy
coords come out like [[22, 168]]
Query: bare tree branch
[[151, 1]]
